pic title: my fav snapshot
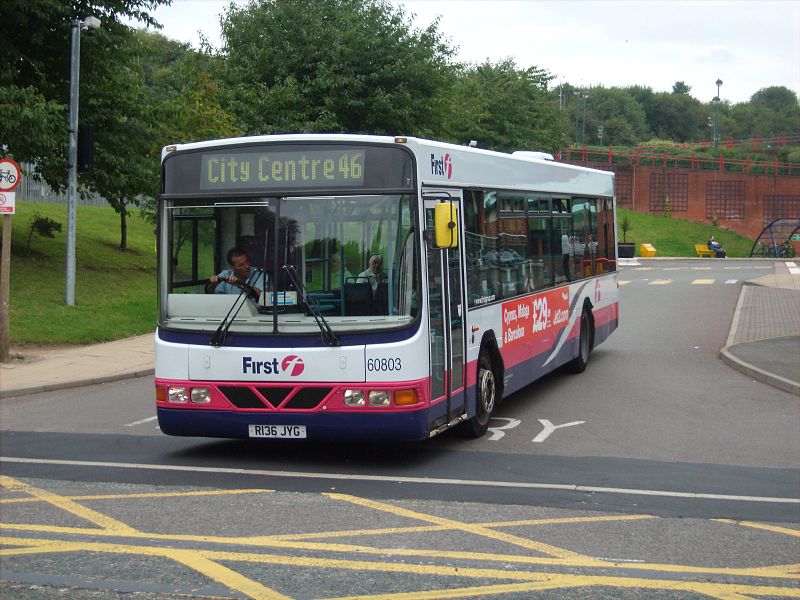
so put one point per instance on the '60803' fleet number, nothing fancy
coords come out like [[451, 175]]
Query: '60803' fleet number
[[384, 364]]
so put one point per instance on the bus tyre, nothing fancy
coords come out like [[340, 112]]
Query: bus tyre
[[578, 364], [485, 402]]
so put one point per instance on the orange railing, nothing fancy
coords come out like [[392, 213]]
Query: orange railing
[[686, 159]]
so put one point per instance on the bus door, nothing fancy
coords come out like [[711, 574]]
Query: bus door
[[447, 313]]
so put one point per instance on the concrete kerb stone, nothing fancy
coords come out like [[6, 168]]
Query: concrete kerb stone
[[757, 373], [66, 385]]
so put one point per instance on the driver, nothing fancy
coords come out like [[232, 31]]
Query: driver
[[239, 274]]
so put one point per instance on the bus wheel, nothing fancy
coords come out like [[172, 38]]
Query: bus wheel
[[578, 364], [486, 400]]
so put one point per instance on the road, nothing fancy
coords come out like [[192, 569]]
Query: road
[[658, 472]]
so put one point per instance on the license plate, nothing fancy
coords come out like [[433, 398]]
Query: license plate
[[277, 431]]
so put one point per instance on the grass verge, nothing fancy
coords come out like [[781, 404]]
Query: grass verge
[[676, 237], [115, 291]]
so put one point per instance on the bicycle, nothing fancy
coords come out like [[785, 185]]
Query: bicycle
[[7, 175]]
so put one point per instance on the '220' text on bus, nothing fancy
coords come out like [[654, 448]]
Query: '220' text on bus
[[391, 288]]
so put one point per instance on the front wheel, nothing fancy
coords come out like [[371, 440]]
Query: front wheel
[[486, 401], [578, 364]]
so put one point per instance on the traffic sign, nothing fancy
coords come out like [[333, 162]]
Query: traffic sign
[[10, 175], [7, 204]]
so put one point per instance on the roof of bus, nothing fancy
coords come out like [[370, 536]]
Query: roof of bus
[[418, 145]]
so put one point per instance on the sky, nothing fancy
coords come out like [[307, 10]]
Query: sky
[[748, 45]]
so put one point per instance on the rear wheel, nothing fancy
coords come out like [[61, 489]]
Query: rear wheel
[[485, 402], [578, 364]]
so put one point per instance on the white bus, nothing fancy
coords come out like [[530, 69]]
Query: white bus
[[376, 287]]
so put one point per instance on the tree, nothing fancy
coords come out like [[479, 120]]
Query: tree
[[331, 65], [36, 44], [677, 116], [621, 116], [504, 108], [772, 110], [679, 87]]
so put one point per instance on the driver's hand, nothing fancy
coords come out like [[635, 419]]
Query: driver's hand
[[214, 279]]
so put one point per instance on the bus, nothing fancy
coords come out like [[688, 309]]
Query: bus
[[493, 270]]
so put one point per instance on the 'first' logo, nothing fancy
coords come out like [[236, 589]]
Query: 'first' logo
[[293, 365], [442, 165]]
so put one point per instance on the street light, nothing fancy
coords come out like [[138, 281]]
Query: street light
[[581, 93], [585, 95], [90, 25], [717, 129]]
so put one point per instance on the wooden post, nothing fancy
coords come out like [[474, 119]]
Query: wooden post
[[5, 268]]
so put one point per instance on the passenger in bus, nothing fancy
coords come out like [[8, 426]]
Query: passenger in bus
[[566, 250], [373, 273], [239, 273]]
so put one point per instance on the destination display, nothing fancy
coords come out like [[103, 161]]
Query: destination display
[[282, 169], [264, 169]]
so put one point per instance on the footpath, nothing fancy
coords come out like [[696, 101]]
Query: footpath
[[764, 343]]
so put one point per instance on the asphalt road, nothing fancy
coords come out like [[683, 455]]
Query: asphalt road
[[658, 472]]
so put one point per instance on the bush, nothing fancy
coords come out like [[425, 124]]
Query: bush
[[43, 226]]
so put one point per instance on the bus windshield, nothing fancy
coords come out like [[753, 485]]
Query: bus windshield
[[351, 258]]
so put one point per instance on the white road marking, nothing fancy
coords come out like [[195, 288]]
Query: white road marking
[[731, 281], [497, 432], [135, 423], [550, 428], [397, 479]]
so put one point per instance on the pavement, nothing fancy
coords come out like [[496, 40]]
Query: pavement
[[764, 343]]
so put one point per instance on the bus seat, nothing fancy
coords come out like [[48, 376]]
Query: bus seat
[[357, 298], [380, 302]]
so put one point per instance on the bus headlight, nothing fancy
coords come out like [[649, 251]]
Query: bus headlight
[[177, 395], [201, 396], [353, 398], [379, 398]]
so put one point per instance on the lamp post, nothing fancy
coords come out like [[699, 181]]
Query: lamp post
[[717, 129], [585, 95], [577, 95], [90, 25]]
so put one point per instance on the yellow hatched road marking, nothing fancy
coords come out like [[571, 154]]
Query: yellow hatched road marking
[[624, 281], [703, 281], [224, 575], [660, 281], [475, 529], [465, 592], [255, 590], [780, 571], [141, 495], [67, 505], [764, 526], [643, 269], [202, 565]]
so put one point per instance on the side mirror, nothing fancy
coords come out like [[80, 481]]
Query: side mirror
[[445, 226]]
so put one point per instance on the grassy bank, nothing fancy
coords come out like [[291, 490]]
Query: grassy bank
[[676, 237], [115, 291]]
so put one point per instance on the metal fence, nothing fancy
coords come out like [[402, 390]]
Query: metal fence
[[34, 189]]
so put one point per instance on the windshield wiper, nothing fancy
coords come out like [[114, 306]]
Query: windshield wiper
[[328, 336], [221, 334]]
